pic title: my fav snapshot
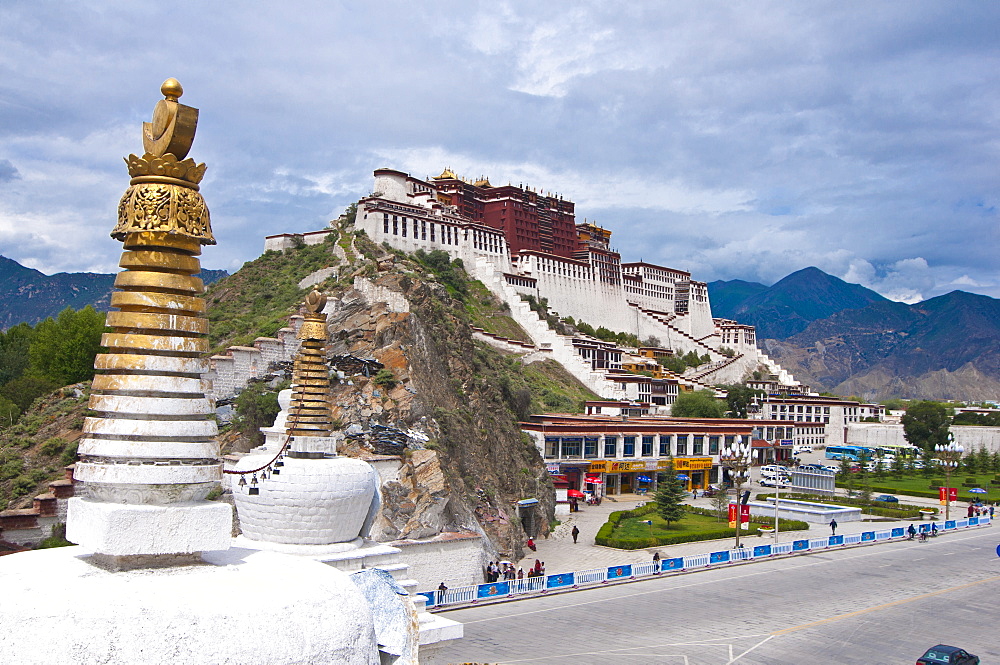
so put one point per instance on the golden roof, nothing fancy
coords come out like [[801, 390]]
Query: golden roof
[[446, 174]]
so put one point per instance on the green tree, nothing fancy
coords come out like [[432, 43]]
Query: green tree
[[983, 459], [26, 389], [14, 347], [697, 404], [898, 467], [63, 348], [256, 406], [669, 496], [995, 462], [9, 412], [739, 397], [925, 425], [674, 364], [893, 404]]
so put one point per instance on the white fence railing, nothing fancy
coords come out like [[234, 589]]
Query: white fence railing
[[513, 589]]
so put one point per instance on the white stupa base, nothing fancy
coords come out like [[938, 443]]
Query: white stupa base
[[317, 552], [238, 606], [122, 529]]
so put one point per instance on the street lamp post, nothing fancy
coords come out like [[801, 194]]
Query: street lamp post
[[949, 454], [736, 458]]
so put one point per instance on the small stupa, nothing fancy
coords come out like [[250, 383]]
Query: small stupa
[[295, 494]]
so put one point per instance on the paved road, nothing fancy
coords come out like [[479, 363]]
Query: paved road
[[872, 605]]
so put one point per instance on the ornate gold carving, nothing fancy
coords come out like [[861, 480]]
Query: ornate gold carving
[[163, 207]]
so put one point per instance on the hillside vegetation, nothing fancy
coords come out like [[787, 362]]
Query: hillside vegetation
[[258, 299]]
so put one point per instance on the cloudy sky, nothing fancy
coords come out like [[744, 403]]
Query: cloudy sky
[[732, 139]]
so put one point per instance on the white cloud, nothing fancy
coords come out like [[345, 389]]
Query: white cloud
[[735, 140]]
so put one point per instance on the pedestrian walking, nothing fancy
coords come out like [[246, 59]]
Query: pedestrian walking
[[440, 593], [972, 509], [531, 545], [991, 510], [520, 573], [656, 557], [833, 527], [911, 532], [575, 533]]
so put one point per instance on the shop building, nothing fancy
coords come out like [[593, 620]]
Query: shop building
[[609, 455]]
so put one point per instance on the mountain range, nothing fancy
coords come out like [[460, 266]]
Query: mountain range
[[850, 340], [791, 304], [29, 296]]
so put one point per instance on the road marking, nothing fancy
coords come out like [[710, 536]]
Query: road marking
[[867, 610], [763, 641], [816, 561], [637, 651]]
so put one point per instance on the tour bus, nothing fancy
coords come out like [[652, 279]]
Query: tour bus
[[851, 453]]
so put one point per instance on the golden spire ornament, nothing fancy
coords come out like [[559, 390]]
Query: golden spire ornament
[[310, 412], [149, 456]]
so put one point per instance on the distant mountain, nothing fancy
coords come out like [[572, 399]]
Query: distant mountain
[[27, 295], [727, 295], [789, 306], [945, 347]]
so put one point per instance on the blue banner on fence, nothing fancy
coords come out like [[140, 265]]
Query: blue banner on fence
[[556, 581], [718, 557], [897, 533], [800, 545], [836, 540], [867, 536], [973, 521], [617, 572], [762, 550], [429, 595], [493, 590], [950, 524], [672, 564]]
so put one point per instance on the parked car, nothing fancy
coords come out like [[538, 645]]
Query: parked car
[[943, 654], [802, 449], [773, 469], [831, 467], [888, 498], [813, 467], [775, 481]]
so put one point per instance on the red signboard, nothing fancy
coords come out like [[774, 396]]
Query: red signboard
[[952, 494], [744, 514]]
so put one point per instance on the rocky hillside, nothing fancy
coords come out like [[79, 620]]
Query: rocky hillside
[[34, 451], [29, 296], [945, 347], [413, 315]]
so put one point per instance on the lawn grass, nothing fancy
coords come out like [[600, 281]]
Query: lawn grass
[[921, 486], [692, 523]]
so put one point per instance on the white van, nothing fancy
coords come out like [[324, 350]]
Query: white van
[[772, 470]]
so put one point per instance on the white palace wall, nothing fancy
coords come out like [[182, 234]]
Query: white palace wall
[[880, 434]]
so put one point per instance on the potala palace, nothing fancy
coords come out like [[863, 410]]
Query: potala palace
[[520, 242]]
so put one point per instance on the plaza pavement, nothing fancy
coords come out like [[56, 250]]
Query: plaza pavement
[[561, 555]]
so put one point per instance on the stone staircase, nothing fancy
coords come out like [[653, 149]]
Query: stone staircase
[[546, 339]]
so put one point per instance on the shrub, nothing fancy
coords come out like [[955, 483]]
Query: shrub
[[385, 379], [53, 446], [69, 455]]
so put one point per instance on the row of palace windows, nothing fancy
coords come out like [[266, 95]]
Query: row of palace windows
[[449, 234]]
